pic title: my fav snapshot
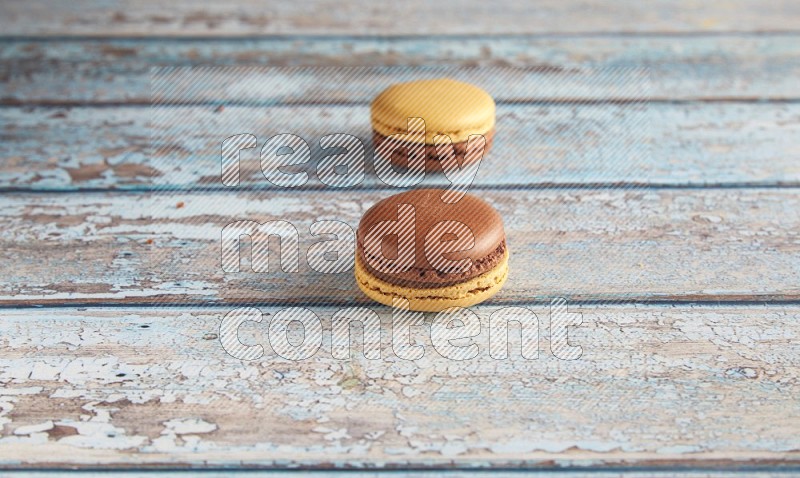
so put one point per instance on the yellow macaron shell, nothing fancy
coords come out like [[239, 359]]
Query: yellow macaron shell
[[448, 107]]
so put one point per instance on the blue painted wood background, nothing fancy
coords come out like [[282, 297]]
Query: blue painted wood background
[[667, 213]]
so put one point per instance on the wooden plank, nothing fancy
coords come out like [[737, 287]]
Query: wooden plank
[[657, 144], [685, 68], [649, 473], [766, 473], [609, 244], [655, 386], [427, 473], [185, 18]]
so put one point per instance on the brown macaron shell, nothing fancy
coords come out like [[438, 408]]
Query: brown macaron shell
[[482, 219], [400, 151]]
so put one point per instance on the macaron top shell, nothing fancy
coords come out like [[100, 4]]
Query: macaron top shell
[[448, 107], [483, 221]]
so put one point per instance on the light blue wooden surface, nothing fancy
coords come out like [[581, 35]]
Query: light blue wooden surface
[[186, 18], [594, 244], [693, 144], [641, 473], [699, 370], [560, 473], [694, 67], [655, 386]]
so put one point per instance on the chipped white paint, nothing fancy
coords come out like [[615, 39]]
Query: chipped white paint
[[179, 289], [656, 384], [37, 428], [187, 426]]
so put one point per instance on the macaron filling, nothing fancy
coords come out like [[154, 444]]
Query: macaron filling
[[400, 150], [463, 294], [429, 277]]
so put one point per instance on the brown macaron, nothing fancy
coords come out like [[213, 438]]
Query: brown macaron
[[435, 254]]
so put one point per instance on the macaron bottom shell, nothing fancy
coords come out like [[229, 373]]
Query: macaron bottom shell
[[464, 294]]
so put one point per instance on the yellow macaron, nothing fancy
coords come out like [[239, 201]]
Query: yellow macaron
[[447, 107]]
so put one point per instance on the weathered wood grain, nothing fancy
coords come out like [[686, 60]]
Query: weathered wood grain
[[649, 473], [182, 18], [607, 245], [666, 472], [681, 68], [654, 386], [657, 144]]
